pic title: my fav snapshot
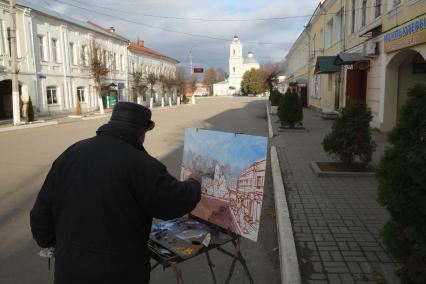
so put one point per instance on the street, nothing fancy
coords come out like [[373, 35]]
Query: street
[[26, 156]]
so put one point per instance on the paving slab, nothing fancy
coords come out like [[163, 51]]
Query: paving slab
[[336, 221]]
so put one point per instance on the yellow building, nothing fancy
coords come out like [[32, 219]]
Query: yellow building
[[324, 77], [367, 50], [404, 28]]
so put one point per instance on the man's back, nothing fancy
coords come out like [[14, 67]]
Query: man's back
[[96, 207]]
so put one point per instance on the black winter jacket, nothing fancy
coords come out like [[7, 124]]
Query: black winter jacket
[[97, 204]]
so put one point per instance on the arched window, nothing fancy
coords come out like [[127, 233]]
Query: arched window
[[378, 10], [80, 94], [51, 94], [233, 68], [234, 51]]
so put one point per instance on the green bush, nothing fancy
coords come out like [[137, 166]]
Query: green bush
[[351, 135], [275, 97], [290, 109], [402, 188], [185, 100], [30, 111]]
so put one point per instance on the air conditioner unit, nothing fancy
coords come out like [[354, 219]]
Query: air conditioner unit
[[371, 49]]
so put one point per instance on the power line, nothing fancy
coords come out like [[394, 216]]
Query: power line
[[160, 28], [206, 19], [194, 19]]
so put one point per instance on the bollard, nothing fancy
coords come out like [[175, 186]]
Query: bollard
[[162, 102], [170, 101], [151, 102]]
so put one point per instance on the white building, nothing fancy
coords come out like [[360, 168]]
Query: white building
[[237, 67], [148, 61], [53, 53]]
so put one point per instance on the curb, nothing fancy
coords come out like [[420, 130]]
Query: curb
[[26, 126], [320, 173], [94, 117], [290, 273]]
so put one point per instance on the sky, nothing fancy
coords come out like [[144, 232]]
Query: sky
[[239, 151], [270, 40]]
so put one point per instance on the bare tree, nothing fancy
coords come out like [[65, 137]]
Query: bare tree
[[270, 72], [180, 80], [193, 83], [169, 84], [139, 85], [163, 82], [210, 78], [220, 75], [152, 80], [98, 68]]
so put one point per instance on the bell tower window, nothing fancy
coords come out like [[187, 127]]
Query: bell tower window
[[233, 68]]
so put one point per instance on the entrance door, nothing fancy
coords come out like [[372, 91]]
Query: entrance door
[[6, 110], [356, 85], [304, 96]]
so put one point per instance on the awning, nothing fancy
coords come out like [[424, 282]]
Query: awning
[[346, 58], [325, 64]]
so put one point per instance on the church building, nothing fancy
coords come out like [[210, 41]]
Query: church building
[[237, 67]]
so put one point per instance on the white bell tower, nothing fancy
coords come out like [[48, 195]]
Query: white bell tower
[[236, 64]]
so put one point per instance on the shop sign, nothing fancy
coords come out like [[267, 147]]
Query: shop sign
[[409, 34]]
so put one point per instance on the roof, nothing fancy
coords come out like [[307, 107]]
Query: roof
[[346, 58], [325, 64], [145, 50], [54, 14]]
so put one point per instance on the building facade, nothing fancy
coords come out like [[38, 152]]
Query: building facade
[[369, 50], [54, 55], [296, 66]]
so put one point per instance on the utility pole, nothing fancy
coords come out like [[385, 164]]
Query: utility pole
[[15, 88], [191, 69]]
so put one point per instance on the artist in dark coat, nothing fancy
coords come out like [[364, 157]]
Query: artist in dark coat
[[99, 198]]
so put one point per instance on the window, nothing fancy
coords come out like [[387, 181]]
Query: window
[[338, 26], [83, 56], [315, 89], [51, 93], [329, 33], [54, 50], [393, 4], [353, 17], [72, 54], [234, 51], [115, 61], [364, 13], [80, 94], [41, 46], [9, 41], [122, 62], [233, 68], [378, 8]]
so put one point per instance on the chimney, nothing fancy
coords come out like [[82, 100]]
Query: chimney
[[141, 42], [111, 30]]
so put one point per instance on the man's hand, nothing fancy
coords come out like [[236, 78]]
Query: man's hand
[[195, 176]]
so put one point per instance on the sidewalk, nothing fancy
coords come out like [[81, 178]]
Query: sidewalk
[[336, 221]]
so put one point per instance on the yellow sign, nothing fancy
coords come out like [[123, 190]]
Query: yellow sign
[[409, 34]]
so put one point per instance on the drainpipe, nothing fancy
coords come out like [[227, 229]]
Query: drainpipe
[[33, 43]]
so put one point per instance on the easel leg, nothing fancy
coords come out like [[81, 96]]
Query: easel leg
[[231, 271], [211, 265], [178, 273], [237, 257]]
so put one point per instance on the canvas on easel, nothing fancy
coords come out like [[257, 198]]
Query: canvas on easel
[[233, 170]]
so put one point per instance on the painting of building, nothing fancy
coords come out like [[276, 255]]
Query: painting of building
[[233, 175]]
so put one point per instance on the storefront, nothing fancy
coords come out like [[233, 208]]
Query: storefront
[[405, 47]]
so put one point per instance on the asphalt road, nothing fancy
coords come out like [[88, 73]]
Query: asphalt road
[[26, 156]]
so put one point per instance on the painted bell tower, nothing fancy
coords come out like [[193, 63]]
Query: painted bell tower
[[236, 64]]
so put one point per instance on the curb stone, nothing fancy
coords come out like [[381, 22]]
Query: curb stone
[[290, 273], [26, 126]]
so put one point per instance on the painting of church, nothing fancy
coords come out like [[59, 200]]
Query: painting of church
[[233, 176], [238, 65]]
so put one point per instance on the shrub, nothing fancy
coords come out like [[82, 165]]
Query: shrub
[[351, 135], [275, 97], [290, 109], [30, 111], [185, 100], [402, 179]]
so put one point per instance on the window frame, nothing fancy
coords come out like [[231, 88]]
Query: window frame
[[55, 57], [81, 91], [41, 47], [52, 95]]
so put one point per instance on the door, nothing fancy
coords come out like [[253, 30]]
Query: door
[[356, 85], [304, 96]]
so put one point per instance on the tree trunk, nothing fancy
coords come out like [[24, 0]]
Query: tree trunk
[[101, 105]]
